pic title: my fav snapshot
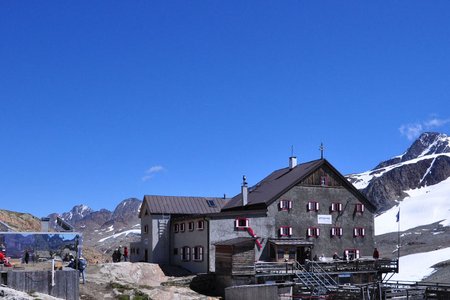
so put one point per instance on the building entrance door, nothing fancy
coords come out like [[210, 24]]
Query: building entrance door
[[303, 253]]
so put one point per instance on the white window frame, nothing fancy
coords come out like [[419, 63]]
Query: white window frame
[[176, 227], [185, 253], [191, 226], [336, 206], [336, 231], [238, 225], [359, 232], [197, 253], [285, 231], [313, 232], [285, 205], [313, 206], [182, 227], [202, 226], [359, 208]]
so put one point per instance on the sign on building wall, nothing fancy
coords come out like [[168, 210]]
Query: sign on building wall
[[324, 219]]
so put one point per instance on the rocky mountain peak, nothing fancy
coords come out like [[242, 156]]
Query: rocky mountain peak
[[427, 143], [77, 213]]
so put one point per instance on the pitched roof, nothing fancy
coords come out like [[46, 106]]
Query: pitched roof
[[280, 181], [183, 205]]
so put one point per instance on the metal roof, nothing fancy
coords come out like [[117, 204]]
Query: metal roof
[[182, 204], [272, 185], [280, 181]]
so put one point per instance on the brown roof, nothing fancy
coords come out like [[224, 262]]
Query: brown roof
[[280, 181], [183, 205]]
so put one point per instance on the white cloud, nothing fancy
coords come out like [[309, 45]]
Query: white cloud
[[150, 173], [413, 130]]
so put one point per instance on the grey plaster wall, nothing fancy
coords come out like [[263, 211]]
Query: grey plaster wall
[[300, 219], [146, 238], [191, 239], [160, 250], [222, 229]]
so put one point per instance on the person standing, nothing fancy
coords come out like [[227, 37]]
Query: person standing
[[376, 254], [125, 253], [27, 256]]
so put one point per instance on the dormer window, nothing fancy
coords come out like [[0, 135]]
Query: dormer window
[[241, 223], [359, 232], [285, 205], [336, 206], [313, 206], [313, 232], [359, 208], [323, 180], [285, 231], [336, 231]]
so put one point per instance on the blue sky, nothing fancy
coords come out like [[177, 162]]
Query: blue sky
[[105, 100]]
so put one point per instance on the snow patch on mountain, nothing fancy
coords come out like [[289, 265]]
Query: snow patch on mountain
[[416, 267], [423, 206], [125, 233], [362, 180]]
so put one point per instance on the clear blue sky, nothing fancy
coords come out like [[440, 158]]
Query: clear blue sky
[[105, 100]]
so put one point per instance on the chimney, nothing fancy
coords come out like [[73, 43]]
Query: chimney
[[44, 224], [292, 162], [244, 190]]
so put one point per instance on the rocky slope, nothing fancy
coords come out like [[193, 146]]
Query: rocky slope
[[426, 162], [103, 230], [19, 221]]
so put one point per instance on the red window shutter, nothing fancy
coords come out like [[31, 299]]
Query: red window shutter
[[317, 231], [246, 223], [309, 206], [236, 223], [363, 232], [280, 231], [355, 231], [362, 207], [339, 206], [290, 230], [333, 231], [340, 231], [317, 206], [309, 231], [280, 204], [357, 253], [290, 204]]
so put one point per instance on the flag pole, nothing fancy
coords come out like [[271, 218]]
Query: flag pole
[[398, 239]]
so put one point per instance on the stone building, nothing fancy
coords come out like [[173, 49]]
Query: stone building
[[294, 214]]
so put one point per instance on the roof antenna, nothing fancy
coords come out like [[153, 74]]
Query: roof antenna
[[292, 150], [321, 148]]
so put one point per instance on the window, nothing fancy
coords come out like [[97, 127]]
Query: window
[[176, 227], [197, 253], [336, 207], [146, 212], [145, 228], [191, 226], [200, 225], [241, 223], [132, 250], [350, 254], [175, 251], [313, 232], [323, 180], [185, 253], [336, 231], [285, 231], [313, 206], [359, 208], [182, 227], [359, 232], [211, 203], [285, 205], [137, 251]]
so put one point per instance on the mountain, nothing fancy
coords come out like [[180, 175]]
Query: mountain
[[426, 162], [103, 230], [416, 187]]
